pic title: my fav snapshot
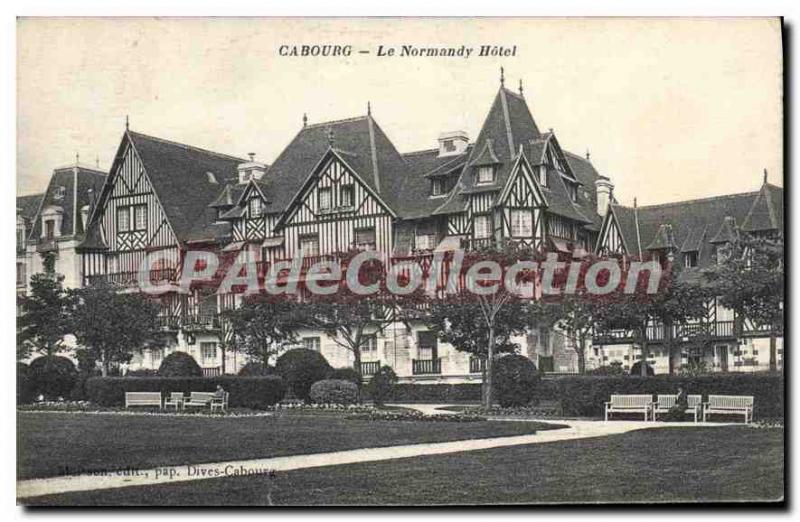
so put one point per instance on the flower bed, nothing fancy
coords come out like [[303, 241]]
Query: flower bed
[[410, 415], [90, 408]]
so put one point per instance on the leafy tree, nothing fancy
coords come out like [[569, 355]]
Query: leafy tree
[[482, 324], [111, 324], [381, 384], [750, 281], [262, 325], [46, 317]]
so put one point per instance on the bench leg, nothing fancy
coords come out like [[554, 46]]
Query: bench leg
[[606, 419]]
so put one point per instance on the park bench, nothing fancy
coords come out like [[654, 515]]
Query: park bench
[[629, 404], [175, 399], [220, 403], [143, 399], [199, 400], [729, 405], [667, 402]]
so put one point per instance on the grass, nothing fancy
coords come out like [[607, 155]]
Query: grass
[[660, 465], [51, 444]]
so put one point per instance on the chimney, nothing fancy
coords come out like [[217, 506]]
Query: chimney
[[251, 169], [605, 191], [453, 143]]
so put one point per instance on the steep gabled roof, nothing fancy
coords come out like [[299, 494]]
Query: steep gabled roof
[[179, 175], [28, 205], [767, 211], [422, 166], [89, 180]]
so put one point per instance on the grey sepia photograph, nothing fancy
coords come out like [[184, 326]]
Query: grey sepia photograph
[[399, 261]]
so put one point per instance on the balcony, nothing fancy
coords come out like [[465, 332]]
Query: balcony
[[205, 321], [212, 372], [476, 365], [131, 278], [370, 368], [426, 366]]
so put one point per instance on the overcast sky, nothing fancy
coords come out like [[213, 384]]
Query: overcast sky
[[670, 109]]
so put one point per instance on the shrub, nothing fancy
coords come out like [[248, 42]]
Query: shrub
[[381, 385], [334, 391], [346, 374], [636, 370], [52, 376], [300, 368], [256, 393], [615, 368], [515, 380], [179, 364], [254, 369], [585, 395], [24, 384]]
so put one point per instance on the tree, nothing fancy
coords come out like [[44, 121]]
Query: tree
[[482, 323], [45, 318], [750, 281], [111, 324], [676, 300], [262, 325]]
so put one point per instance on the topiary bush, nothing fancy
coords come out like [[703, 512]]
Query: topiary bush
[[346, 374], [382, 384], [25, 393], [300, 369], [52, 376], [257, 393], [179, 364], [515, 380], [254, 369], [636, 370], [333, 391]]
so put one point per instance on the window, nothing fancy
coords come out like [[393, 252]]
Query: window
[[325, 198], [156, 355], [369, 344], [346, 196], [140, 217], [521, 223], [690, 259], [49, 229], [543, 175], [208, 352], [483, 226], [449, 146], [365, 238], [20, 274], [485, 175], [309, 245], [438, 187], [20, 238], [425, 242], [573, 192], [255, 207], [123, 219], [60, 193], [426, 344], [311, 343]]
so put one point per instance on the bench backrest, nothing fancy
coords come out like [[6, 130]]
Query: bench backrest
[[132, 397], [631, 401], [201, 396], [173, 396], [668, 401], [730, 401]]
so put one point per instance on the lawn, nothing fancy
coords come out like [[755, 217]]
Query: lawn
[[51, 444], [658, 465]]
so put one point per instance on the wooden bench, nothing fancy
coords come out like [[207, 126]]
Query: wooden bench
[[729, 405], [199, 400], [667, 402], [143, 399], [220, 403], [629, 404], [174, 399]]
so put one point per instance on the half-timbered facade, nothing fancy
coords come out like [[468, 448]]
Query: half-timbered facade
[[692, 233]]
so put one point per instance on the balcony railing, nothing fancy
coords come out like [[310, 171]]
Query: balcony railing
[[370, 368], [426, 366], [476, 365], [207, 321], [212, 372], [680, 333], [132, 278]]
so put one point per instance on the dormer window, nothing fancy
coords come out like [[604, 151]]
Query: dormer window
[[690, 259], [60, 193], [437, 187], [573, 193], [485, 175], [255, 207], [543, 175]]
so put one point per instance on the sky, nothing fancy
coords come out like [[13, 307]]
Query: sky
[[669, 108]]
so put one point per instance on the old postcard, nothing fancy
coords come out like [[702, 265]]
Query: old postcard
[[399, 261]]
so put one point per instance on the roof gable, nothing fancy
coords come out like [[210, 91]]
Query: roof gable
[[71, 199]]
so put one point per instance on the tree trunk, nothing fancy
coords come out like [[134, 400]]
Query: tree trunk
[[105, 367], [643, 337], [581, 354], [668, 346], [773, 352], [222, 353], [487, 399]]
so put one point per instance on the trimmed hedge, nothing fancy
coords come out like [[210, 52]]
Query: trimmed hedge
[[434, 393], [256, 393], [585, 395], [179, 364], [346, 374], [334, 391], [52, 376], [515, 380], [300, 368], [255, 369]]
